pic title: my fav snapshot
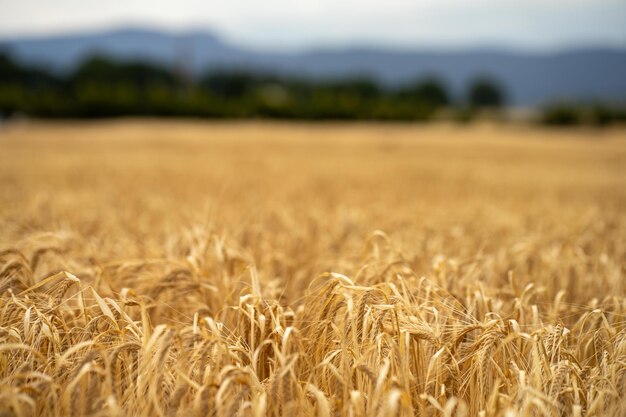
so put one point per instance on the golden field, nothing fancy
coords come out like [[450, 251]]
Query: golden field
[[152, 268]]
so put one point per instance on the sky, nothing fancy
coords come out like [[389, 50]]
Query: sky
[[293, 24]]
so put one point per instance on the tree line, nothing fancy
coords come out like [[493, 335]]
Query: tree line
[[101, 87]]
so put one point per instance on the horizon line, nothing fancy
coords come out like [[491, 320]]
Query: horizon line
[[320, 46]]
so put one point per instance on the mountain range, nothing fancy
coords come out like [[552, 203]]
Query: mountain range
[[529, 78]]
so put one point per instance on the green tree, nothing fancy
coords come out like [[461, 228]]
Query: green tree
[[561, 115], [485, 93], [430, 91]]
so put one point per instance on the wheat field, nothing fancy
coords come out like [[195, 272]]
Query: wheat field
[[183, 268]]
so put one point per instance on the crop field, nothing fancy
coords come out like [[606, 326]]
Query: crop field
[[187, 268]]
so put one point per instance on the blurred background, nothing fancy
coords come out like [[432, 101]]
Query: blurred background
[[558, 62]]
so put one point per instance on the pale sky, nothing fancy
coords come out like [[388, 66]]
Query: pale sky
[[526, 24]]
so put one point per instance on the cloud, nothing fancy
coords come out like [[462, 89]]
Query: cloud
[[291, 23]]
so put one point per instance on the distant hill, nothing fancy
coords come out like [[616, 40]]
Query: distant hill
[[529, 78]]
